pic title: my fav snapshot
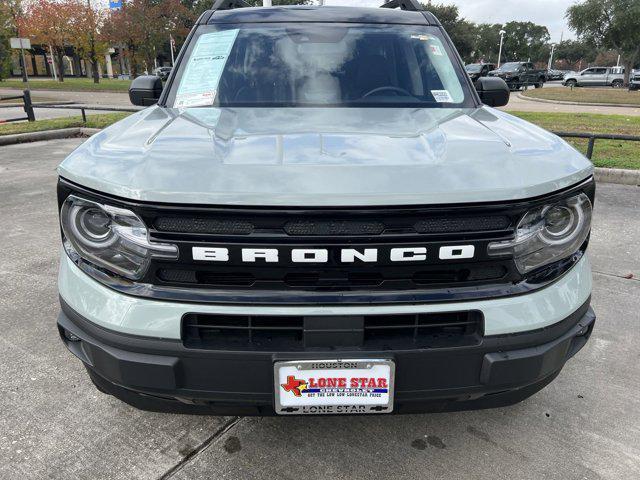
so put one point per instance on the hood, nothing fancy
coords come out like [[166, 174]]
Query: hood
[[324, 157]]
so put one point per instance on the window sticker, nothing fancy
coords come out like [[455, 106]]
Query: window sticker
[[435, 49], [442, 96], [422, 38], [200, 80]]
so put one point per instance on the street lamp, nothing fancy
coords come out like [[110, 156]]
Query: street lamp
[[502, 32], [553, 47], [266, 3]]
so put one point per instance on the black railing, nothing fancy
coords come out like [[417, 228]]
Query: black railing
[[592, 137], [28, 106], [83, 109]]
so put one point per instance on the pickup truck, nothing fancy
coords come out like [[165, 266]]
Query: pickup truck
[[317, 215], [596, 77], [519, 74]]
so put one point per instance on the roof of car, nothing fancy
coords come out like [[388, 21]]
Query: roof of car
[[310, 13]]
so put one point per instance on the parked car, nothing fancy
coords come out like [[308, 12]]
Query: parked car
[[519, 74], [244, 247], [596, 77], [477, 70], [162, 72], [553, 75], [634, 80]]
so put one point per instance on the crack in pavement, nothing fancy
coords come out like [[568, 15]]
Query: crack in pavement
[[192, 454], [616, 275]]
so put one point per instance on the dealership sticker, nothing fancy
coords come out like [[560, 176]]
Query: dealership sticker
[[422, 38], [207, 63], [442, 96]]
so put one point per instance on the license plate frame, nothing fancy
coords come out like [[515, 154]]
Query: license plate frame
[[334, 397]]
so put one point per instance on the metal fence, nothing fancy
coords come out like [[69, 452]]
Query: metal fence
[[592, 137], [28, 106]]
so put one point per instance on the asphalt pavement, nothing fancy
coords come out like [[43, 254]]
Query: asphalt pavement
[[54, 424]]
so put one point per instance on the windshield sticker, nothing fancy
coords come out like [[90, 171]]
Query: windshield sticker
[[435, 49], [200, 81], [422, 38], [442, 96]]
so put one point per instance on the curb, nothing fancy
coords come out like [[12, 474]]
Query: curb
[[617, 175], [47, 135], [602, 175], [563, 102]]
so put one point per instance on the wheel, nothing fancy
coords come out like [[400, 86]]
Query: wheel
[[571, 83], [617, 84], [540, 84]]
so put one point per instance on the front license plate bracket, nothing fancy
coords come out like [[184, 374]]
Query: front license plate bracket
[[334, 386]]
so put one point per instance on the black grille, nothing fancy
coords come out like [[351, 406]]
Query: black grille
[[331, 279], [297, 333], [334, 227], [203, 225], [289, 230], [388, 223], [463, 224]]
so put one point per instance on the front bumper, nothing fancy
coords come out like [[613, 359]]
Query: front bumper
[[164, 375]]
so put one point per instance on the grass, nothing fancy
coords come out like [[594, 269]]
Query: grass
[[586, 95], [93, 121], [607, 153], [71, 84]]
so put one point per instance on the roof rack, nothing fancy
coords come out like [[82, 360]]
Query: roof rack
[[410, 5], [229, 4]]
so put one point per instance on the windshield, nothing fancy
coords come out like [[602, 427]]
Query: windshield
[[313, 64], [510, 67], [473, 67]]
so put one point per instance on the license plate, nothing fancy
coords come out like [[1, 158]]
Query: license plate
[[317, 387]]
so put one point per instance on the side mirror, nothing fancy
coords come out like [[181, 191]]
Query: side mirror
[[493, 91], [145, 90]]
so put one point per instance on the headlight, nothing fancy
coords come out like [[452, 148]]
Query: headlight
[[548, 233], [110, 237]]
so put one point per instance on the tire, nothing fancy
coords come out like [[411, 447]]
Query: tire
[[617, 84], [540, 84], [571, 83]]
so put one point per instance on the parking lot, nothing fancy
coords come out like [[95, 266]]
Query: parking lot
[[55, 424]]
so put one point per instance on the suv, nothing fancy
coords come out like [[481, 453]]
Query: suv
[[596, 77], [162, 72], [520, 74], [320, 216], [634, 80]]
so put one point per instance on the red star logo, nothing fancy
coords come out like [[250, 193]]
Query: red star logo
[[294, 386]]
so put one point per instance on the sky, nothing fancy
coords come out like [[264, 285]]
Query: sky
[[543, 12]]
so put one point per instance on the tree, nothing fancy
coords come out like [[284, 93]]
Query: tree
[[487, 42], [611, 25], [571, 52], [87, 24], [10, 11], [525, 40], [50, 22], [143, 27], [461, 31]]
